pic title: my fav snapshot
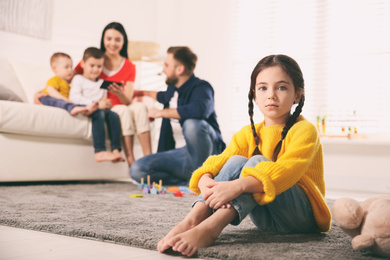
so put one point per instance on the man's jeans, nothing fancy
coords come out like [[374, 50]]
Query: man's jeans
[[175, 166], [291, 210]]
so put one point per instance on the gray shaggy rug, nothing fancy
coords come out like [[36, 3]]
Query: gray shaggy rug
[[104, 211]]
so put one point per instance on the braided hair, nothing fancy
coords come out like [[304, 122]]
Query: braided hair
[[291, 67]]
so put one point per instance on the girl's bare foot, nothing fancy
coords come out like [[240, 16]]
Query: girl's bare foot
[[190, 241], [91, 108], [178, 229], [203, 235], [77, 110], [104, 156], [199, 212]]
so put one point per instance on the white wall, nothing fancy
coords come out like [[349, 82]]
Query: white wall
[[200, 24], [203, 25]]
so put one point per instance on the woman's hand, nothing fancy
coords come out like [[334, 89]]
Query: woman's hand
[[220, 194], [124, 92], [115, 89]]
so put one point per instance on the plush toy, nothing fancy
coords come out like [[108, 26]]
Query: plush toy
[[368, 223]]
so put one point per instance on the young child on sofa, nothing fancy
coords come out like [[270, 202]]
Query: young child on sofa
[[57, 88], [85, 90]]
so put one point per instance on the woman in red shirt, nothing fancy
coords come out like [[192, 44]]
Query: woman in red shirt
[[118, 68]]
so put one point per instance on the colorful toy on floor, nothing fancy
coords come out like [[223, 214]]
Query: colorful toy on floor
[[179, 191], [178, 194], [141, 185], [153, 189], [136, 196]]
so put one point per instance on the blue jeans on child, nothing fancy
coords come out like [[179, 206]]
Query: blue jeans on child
[[175, 166], [55, 102], [99, 118], [290, 212]]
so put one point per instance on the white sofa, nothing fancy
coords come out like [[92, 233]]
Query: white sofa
[[41, 143]]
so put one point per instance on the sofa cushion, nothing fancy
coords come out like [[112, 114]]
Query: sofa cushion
[[7, 94], [33, 77], [9, 78], [30, 119]]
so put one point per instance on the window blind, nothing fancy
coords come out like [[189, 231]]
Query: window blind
[[343, 48]]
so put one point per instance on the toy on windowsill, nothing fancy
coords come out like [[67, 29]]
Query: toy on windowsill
[[368, 223]]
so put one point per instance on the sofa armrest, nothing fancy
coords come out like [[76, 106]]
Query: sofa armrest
[[39, 120]]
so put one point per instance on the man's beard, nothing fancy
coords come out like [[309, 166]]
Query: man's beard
[[172, 80]]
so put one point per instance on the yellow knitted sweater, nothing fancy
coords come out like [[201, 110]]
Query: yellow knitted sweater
[[300, 161]]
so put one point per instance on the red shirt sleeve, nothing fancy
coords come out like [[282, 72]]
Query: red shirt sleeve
[[79, 69]]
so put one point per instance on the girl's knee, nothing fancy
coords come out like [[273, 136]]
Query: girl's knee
[[254, 160], [237, 159]]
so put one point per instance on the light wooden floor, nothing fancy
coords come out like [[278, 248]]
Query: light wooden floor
[[21, 244]]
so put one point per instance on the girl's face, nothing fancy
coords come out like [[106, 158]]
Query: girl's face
[[275, 95], [113, 41]]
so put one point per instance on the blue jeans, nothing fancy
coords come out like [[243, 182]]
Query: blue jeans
[[99, 118], [174, 167], [55, 102], [290, 212]]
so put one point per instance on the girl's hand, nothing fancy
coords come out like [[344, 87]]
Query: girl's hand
[[220, 194], [205, 181]]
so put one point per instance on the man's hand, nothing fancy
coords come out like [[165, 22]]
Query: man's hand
[[37, 96], [155, 113]]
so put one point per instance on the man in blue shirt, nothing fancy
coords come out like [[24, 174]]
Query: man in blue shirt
[[196, 114]]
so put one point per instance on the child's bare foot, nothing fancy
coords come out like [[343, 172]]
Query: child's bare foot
[[178, 229], [199, 212], [76, 110], [188, 242], [202, 235], [91, 108], [104, 156], [118, 156]]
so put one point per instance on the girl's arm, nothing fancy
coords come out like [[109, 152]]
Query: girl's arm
[[218, 194]]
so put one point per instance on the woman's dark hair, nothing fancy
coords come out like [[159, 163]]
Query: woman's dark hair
[[291, 67], [119, 28]]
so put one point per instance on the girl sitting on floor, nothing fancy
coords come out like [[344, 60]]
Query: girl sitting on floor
[[272, 171]]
